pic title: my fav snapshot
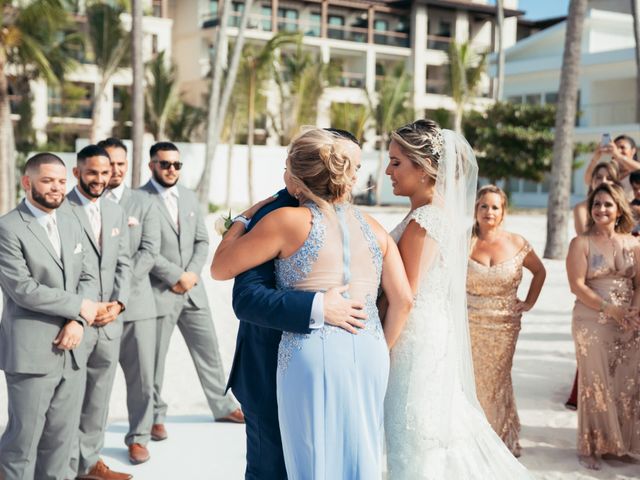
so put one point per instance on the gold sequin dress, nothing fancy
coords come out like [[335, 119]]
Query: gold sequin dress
[[494, 326], [608, 359]]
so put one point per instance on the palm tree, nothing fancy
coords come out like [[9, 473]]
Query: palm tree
[[137, 107], [301, 78], [161, 96], [186, 122], [351, 117], [465, 72], [391, 109], [28, 34], [500, 30], [560, 188], [110, 45], [257, 69], [219, 101]]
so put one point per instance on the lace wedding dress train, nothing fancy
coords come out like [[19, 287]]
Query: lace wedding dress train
[[435, 428]]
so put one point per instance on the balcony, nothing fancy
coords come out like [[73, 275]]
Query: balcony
[[349, 80], [437, 42], [610, 113], [57, 107], [311, 27]]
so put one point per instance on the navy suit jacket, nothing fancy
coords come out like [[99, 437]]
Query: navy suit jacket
[[264, 313]]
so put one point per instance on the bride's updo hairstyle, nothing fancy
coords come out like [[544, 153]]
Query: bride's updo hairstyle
[[319, 167], [422, 142]]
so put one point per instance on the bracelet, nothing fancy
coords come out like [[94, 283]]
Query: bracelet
[[242, 219]]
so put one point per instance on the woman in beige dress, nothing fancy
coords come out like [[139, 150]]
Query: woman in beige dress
[[603, 172], [495, 272], [602, 267]]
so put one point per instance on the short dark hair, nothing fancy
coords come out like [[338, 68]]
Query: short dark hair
[[634, 177], [338, 132], [112, 142], [91, 151], [162, 147], [43, 158]]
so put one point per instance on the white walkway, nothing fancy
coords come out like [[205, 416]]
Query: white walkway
[[544, 367]]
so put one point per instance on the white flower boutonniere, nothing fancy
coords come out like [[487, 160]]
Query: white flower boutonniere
[[223, 224]]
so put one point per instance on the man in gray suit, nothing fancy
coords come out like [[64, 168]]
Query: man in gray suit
[[138, 342], [48, 288], [105, 226], [179, 293]]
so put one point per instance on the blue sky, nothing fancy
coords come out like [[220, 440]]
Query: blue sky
[[537, 9]]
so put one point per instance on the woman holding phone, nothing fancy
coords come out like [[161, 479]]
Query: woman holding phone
[[622, 151]]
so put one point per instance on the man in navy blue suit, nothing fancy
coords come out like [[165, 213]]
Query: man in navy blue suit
[[264, 313]]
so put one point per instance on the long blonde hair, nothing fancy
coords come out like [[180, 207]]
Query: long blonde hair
[[624, 223], [422, 142]]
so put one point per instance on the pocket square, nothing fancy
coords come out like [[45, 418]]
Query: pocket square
[[78, 248], [115, 232], [133, 221], [192, 214]]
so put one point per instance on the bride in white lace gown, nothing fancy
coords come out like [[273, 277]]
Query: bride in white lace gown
[[435, 427]]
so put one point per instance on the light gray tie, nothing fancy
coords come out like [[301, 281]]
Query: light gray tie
[[96, 222], [171, 202], [54, 237]]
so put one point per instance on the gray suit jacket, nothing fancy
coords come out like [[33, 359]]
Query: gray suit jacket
[[41, 292], [112, 264], [143, 220], [180, 251]]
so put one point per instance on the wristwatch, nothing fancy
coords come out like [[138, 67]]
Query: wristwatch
[[242, 219]]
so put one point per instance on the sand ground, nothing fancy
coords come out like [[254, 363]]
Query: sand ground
[[543, 372]]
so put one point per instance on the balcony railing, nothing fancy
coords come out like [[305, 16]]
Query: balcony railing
[[312, 28], [610, 113], [350, 80], [57, 107], [436, 42]]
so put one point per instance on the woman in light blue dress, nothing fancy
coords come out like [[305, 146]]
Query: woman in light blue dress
[[330, 383]]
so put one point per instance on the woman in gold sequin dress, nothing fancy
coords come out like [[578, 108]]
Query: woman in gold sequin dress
[[495, 272], [602, 267]]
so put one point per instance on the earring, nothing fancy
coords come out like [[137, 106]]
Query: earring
[[422, 180], [297, 195]]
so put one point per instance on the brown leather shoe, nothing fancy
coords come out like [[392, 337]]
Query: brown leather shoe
[[234, 417], [158, 432], [101, 472], [138, 453]]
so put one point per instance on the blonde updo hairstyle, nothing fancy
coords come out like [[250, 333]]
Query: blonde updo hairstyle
[[422, 142], [319, 167]]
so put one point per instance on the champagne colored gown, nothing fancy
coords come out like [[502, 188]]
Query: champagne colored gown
[[494, 326], [608, 358]]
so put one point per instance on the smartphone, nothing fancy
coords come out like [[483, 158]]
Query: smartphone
[[605, 140]]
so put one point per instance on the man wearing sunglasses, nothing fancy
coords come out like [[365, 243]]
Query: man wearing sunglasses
[[179, 293]]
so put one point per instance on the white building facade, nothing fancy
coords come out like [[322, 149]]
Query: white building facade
[[607, 88]]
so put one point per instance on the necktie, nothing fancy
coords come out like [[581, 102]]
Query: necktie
[[54, 238], [171, 202], [96, 222]]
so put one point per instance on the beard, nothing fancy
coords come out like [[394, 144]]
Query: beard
[[115, 182], [39, 198], [87, 189], [163, 182]]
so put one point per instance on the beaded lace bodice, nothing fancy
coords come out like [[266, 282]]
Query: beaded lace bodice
[[341, 248]]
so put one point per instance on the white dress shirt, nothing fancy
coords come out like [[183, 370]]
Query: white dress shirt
[[170, 195], [93, 211], [48, 221], [115, 194]]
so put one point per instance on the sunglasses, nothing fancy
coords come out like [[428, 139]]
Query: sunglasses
[[166, 165]]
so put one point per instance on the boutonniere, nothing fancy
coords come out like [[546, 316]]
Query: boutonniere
[[78, 248], [223, 224], [192, 214], [115, 232], [132, 222]]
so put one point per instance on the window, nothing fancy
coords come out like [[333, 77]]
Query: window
[[315, 24], [288, 19], [551, 98], [265, 20], [234, 18], [515, 99], [213, 8], [532, 99], [337, 22], [154, 43], [381, 25]]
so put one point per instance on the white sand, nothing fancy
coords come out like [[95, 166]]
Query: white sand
[[543, 374]]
